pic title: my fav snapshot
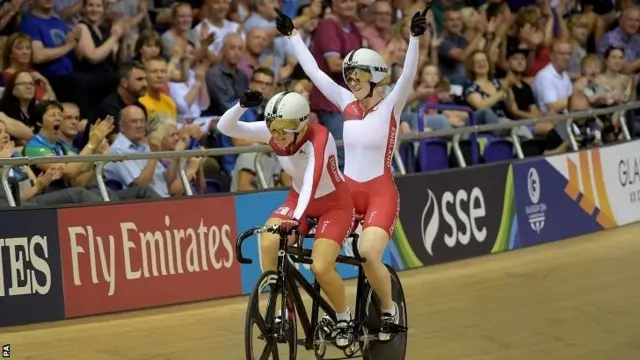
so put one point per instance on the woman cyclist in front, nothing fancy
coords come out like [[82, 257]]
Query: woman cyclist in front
[[308, 153], [370, 131]]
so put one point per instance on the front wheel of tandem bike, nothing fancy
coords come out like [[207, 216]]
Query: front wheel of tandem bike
[[265, 338]]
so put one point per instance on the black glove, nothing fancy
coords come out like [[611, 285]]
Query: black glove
[[284, 23], [251, 98], [287, 226], [419, 22]]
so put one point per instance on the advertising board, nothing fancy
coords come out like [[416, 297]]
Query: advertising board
[[561, 196], [619, 167], [129, 256], [456, 214], [253, 210], [31, 282]]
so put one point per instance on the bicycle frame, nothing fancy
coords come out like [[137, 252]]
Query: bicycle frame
[[292, 276]]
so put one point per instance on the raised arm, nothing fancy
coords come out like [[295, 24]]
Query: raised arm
[[230, 126], [404, 86], [332, 91], [316, 148]]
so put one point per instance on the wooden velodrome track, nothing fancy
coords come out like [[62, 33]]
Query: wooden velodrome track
[[573, 299]]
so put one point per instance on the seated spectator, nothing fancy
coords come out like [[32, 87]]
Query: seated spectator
[[520, 101], [190, 94], [48, 119], [215, 23], [552, 85], [590, 68], [587, 131], [251, 166], [429, 91], [97, 50], [131, 140], [132, 84], [32, 188], [181, 24], [155, 101], [163, 135], [17, 56], [69, 129], [225, 82], [486, 94], [17, 105], [626, 37], [263, 80], [612, 83]]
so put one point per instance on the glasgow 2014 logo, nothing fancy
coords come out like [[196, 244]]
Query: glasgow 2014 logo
[[535, 211]]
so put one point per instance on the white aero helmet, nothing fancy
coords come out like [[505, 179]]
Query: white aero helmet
[[366, 60], [287, 112]]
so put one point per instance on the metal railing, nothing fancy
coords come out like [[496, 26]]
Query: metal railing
[[184, 155]]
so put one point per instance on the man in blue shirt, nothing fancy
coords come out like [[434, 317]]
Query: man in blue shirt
[[262, 80], [131, 141]]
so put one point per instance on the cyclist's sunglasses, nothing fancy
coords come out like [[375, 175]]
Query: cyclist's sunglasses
[[359, 74], [283, 126]]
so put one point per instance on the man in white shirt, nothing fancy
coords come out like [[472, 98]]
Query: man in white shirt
[[552, 85], [218, 25]]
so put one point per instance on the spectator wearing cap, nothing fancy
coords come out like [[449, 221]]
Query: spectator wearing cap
[[262, 80], [225, 82], [335, 37], [155, 101], [216, 23], [552, 85], [181, 24], [520, 101], [625, 37], [486, 94], [455, 48], [132, 84], [131, 140]]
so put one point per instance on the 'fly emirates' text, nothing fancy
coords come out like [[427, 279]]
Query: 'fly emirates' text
[[204, 245]]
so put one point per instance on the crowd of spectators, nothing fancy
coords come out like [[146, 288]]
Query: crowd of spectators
[[137, 76]]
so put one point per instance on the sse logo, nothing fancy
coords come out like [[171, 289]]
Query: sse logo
[[462, 216]]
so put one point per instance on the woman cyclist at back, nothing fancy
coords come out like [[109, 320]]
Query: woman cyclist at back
[[370, 131], [308, 153]]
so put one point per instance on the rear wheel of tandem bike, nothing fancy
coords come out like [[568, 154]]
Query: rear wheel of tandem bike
[[395, 348], [264, 337]]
